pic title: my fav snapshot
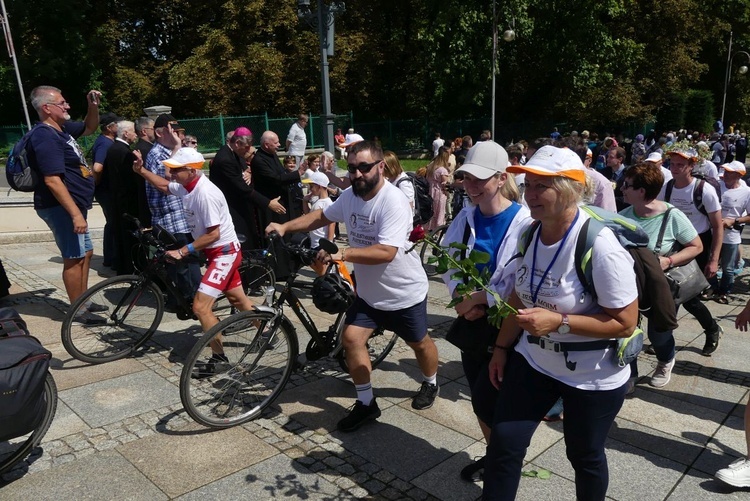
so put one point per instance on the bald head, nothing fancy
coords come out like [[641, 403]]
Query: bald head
[[269, 142]]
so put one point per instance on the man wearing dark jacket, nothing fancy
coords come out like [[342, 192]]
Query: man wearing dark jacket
[[226, 174], [271, 179]]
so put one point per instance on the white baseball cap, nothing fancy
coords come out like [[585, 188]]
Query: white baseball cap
[[484, 160], [553, 161], [316, 178], [185, 157], [654, 157], [735, 166]]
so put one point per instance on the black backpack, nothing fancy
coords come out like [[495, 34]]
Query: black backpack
[[697, 191], [422, 198], [23, 370], [20, 174]]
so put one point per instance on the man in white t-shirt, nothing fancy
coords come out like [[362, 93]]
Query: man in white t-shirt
[[211, 226], [391, 284], [680, 193], [436, 144], [296, 140], [735, 207]]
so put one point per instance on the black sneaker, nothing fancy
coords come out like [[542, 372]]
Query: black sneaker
[[473, 472], [88, 318], [214, 365], [359, 414], [425, 397], [712, 342], [96, 307]]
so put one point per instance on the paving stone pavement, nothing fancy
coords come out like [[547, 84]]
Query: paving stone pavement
[[120, 431]]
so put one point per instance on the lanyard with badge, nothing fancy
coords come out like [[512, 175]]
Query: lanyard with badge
[[535, 293]]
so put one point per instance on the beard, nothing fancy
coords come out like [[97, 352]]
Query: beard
[[361, 186]]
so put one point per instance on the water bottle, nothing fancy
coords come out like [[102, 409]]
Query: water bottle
[[268, 301]]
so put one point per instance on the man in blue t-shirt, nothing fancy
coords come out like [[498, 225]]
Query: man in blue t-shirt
[[103, 193], [65, 193]]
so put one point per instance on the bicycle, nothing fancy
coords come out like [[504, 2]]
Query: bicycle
[[15, 450], [129, 308], [263, 350]]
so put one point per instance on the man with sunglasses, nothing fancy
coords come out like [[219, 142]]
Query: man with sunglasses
[[391, 283], [65, 192], [166, 209]]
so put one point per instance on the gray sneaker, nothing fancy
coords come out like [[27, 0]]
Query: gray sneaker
[[662, 374], [736, 474]]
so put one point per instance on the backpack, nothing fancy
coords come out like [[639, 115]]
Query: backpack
[[19, 172], [23, 371], [697, 191], [654, 295], [422, 199]]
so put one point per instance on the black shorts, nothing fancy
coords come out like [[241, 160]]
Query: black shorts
[[410, 324]]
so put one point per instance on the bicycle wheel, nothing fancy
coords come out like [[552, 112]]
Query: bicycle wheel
[[428, 251], [15, 450], [261, 357], [379, 345], [128, 311]]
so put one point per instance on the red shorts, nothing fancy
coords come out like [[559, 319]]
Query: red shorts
[[221, 274]]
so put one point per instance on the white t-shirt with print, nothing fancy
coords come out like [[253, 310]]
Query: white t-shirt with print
[[322, 232], [734, 203], [562, 292], [385, 219], [682, 198], [205, 207]]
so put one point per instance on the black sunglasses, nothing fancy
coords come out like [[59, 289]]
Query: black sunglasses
[[362, 168]]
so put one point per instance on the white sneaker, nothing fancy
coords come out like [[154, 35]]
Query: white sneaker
[[736, 474], [662, 374]]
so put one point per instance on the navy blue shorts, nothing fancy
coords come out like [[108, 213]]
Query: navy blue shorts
[[410, 324]]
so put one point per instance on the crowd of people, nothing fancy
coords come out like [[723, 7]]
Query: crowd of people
[[521, 205]]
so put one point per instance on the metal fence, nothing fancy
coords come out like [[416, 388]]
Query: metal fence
[[396, 135]]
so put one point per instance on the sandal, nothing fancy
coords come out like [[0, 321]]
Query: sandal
[[706, 295], [723, 299]]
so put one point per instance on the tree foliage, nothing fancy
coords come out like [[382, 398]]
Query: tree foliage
[[589, 63]]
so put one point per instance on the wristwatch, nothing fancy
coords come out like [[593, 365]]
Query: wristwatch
[[564, 327]]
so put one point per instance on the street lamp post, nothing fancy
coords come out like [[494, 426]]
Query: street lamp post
[[728, 76], [12, 54], [508, 35], [323, 19]]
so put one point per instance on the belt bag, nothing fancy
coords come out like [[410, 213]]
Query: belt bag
[[474, 337], [626, 349]]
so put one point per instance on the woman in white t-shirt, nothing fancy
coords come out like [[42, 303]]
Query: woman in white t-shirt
[[565, 337]]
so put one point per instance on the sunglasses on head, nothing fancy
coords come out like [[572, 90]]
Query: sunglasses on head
[[362, 168]]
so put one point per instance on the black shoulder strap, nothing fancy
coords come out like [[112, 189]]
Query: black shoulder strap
[[698, 196], [465, 241], [668, 190], [662, 230]]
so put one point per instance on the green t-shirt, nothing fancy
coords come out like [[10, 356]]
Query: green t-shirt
[[679, 228]]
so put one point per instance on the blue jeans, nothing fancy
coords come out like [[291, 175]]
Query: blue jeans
[[727, 258], [663, 344], [524, 398]]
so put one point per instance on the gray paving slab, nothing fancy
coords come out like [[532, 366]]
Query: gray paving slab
[[103, 476], [443, 480], [191, 456], [275, 478], [682, 448], [452, 409], [108, 401], [634, 474], [66, 423], [406, 446], [71, 373], [699, 486]]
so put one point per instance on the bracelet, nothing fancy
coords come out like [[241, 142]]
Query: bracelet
[[190, 248], [179, 251], [504, 348]]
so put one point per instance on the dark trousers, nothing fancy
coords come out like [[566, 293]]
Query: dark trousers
[[524, 398], [110, 250], [187, 276], [695, 306]]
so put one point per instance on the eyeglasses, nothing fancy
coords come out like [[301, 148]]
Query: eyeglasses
[[534, 187], [362, 168], [625, 185], [60, 105], [191, 142]]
